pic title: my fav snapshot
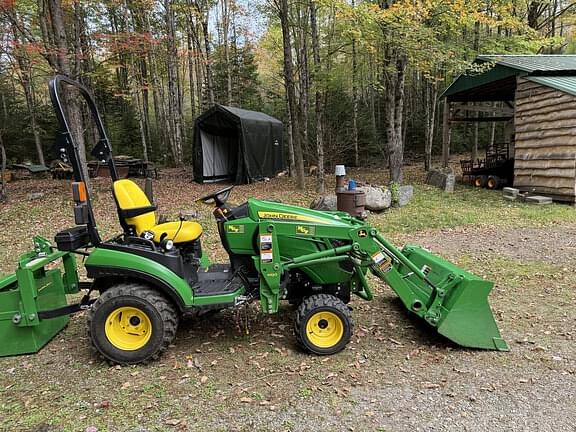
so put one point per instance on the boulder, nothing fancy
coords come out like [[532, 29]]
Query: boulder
[[405, 194], [327, 203], [377, 199], [444, 179]]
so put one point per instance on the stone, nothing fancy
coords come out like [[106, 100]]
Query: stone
[[444, 180], [539, 200], [510, 193], [326, 203], [405, 194], [35, 196], [377, 199], [449, 183]]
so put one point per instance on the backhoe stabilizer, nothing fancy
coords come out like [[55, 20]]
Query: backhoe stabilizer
[[450, 299]]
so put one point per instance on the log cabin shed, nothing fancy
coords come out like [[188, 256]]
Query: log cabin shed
[[538, 104]]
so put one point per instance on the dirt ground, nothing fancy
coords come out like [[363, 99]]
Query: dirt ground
[[240, 370]]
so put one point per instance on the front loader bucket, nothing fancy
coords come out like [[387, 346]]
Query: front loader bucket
[[453, 300]]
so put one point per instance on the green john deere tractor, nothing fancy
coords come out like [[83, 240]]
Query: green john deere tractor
[[152, 275]]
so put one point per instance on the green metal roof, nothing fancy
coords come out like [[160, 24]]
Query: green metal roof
[[499, 82], [566, 84], [534, 63]]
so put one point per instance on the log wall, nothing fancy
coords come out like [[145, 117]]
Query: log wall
[[545, 141]]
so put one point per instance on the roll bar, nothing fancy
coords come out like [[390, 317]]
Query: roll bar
[[102, 151]]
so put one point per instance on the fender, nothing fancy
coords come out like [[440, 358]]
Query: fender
[[106, 262]]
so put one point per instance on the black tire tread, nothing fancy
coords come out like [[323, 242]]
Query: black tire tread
[[167, 311], [315, 302]]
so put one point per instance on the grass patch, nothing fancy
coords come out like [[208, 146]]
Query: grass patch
[[433, 209]]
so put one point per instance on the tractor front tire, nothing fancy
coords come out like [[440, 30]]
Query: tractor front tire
[[131, 323], [323, 324]]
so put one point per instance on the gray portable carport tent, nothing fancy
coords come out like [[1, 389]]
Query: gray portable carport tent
[[236, 144]]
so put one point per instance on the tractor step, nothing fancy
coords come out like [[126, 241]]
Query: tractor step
[[217, 286]]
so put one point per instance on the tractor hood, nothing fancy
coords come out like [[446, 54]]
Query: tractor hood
[[271, 210]]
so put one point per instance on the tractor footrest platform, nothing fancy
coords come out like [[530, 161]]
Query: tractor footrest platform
[[216, 272], [215, 287]]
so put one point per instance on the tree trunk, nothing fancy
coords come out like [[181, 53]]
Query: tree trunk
[[174, 117], [225, 31], [209, 81], [56, 17], [492, 141], [25, 81], [431, 96], [318, 105], [3, 187], [395, 120], [141, 73], [200, 72], [135, 93], [474, 153], [180, 91], [4, 108], [291, 158], [301, 41], [291, 92], [192, 87], [355, 100], [446, 134]]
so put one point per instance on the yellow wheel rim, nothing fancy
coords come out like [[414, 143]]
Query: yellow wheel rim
[[325, 329], [491, 183], [128, 328]]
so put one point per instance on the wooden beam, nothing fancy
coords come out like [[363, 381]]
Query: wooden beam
[[488, 109], [446, 134], [480, 119]]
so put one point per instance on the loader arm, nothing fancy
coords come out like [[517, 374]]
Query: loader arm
[[448, 298], [335, 251]]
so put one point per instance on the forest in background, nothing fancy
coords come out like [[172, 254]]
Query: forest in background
[[355, 82]]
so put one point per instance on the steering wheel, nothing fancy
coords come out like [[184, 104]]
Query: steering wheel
[[219, 198]]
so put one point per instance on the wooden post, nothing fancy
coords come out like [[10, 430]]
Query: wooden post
[[509, 137], [446, 133]]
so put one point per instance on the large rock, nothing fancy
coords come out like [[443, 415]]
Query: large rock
[[444, 179], [327, 203], [377, 199], [405, 194]]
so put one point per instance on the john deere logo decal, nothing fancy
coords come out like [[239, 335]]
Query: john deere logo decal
[[291, 217], [362, 233], [235, 229], [305, 230]]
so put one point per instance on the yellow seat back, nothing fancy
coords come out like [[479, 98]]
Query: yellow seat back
[[128, 196]]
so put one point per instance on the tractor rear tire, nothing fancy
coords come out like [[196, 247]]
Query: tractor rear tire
[[323, 324], [480, 181], [131, 323]]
